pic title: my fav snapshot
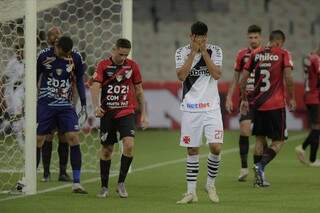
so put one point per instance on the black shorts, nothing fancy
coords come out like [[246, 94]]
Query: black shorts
[[312, 113], [109, 127], [248, 116], [271, 123]]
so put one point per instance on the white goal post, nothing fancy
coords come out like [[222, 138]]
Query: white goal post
[[38, 16]]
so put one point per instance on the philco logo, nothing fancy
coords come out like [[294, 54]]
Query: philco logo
[[266, 57]]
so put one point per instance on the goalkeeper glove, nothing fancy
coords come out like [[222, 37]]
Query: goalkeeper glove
[[82, 115]]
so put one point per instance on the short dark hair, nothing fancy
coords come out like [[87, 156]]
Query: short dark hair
[[199, 28], [65, 43], [123, 43], [277, 35], [254, 29]]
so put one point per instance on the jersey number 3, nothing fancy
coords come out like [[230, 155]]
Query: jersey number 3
[[265, 80]]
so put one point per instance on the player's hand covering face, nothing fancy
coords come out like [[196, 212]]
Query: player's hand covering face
[[120, 55]]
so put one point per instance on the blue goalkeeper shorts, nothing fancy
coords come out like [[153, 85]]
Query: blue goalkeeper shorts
[[64, 119]]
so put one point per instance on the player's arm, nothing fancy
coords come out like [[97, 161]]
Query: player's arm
[[95, 90], [234, 83], [214, 70], [79, 71], [290, 87], [244, 105], [183, 71], [141, 104]]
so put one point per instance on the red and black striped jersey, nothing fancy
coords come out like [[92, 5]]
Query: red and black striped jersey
[[268, 64], [117, 91], [311, 68]]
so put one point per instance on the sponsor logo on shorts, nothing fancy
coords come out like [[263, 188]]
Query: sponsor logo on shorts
[[104, 136], [132, 132], [76, 127], [198, 105], [186, 139]]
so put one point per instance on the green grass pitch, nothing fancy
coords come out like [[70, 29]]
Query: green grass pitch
[[158, 181]]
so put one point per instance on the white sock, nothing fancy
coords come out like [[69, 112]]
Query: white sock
[[213, 166], [192, 172]]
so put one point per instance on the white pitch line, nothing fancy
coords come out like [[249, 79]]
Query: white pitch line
[[153, 166]]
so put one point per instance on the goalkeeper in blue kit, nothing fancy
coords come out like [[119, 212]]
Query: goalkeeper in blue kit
[[59, 68]]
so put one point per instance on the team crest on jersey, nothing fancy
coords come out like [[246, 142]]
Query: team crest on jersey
[[246, 59], [128, 73], [59, 71], [119, 78]]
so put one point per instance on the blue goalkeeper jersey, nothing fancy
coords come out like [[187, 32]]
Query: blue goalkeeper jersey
[[57, 77]]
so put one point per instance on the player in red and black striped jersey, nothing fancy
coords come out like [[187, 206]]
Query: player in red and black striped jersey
[[311, 67], [254, 40], [272, 67], [118, 81]]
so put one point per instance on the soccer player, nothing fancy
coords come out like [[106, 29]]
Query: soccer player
[[254, 40], [311, 98], [13, 80], [63, 148], [118, 81], [198, 66], [58, 68], [272, 66]]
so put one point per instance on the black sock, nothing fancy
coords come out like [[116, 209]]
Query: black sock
[[75, 158], [38, 156], [267, 156], [104, 172], [244, 149], [125, 164], [256, 158], [63, 151], [46, 157], [314, 145], [311, 137]]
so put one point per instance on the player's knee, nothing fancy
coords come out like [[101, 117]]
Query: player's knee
[[49, 137], [245, 130], [128, 148], [193, 150], [40, 140], [73, 138], [106, 152], [215, 148]]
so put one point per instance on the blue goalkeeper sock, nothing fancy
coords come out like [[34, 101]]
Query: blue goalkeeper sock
[[75, 156]]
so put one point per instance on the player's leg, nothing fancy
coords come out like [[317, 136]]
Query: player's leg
[[260, 145], [46, 156], [126, 127], [63, 152], [312, 138], [245, 131], [46, 122], [108, 135], [191, 133], [214, 134], [68, 124], [275, 128]]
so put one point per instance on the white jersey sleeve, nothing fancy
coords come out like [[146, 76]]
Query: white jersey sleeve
[[180, 57], [216, 55]]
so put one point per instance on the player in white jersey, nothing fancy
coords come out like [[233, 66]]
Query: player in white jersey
[[199, 67], [14, 94]]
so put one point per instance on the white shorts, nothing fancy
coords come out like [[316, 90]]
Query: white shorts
[[194, 123]]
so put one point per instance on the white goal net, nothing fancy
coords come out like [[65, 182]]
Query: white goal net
[[94, 26]]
